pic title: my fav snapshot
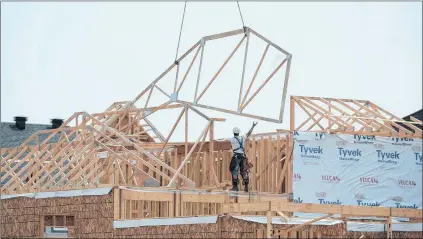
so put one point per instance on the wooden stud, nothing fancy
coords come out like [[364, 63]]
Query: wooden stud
[[269, 225], [389, 227], [212, 158], [186, 134]]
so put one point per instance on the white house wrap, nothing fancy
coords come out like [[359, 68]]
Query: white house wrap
[[357, 170]]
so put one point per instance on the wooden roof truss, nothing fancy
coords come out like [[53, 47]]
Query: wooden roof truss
[[348, 116]]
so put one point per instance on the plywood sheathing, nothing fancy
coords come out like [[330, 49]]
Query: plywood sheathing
[[176, 231], [93, 215], [395, 234]]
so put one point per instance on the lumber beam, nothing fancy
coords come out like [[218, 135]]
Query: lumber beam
[[218, 145], [321, 208]]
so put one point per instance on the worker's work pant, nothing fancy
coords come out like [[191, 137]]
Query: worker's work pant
[[239, 162]]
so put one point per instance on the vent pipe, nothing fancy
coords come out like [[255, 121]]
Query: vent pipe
[[56, 123], [20, 122]]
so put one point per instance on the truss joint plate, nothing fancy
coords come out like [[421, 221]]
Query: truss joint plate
[[174, 96]]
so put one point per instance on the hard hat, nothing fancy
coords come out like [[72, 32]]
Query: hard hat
[[236, 130]]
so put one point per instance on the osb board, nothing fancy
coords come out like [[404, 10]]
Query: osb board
[[93, 215], [25, 229], [382, 235], [235, 228]]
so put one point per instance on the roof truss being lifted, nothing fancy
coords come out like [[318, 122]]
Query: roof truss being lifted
[[244, 99]]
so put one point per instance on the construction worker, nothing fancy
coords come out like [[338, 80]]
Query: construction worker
[[239, 159]]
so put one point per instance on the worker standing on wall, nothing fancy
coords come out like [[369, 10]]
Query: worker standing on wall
[[239, 159]]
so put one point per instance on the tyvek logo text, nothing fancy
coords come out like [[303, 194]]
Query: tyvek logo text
[[401, 141], [364, 139], [388, 157], [311, 152], [349, 154]]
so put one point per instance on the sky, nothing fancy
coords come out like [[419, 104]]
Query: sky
[[61, 58]]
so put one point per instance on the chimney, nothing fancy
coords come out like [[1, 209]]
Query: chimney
[[20, 122], [56, 123]]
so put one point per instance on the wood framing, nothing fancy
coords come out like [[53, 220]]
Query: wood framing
[[131, 150], [179, 203], [123, 147], [348, 116]]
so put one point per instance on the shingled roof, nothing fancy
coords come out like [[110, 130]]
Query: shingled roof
[[13, 137], [418, 115]]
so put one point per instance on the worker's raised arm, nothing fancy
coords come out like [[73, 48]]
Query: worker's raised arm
[[251, 130]]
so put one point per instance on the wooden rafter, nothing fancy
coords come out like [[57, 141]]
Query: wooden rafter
[[366, 117]]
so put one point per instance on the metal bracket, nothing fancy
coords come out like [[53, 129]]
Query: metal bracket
[[246, 31], [174, 96]]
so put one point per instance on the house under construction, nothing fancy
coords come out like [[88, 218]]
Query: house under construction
[[114, 174]]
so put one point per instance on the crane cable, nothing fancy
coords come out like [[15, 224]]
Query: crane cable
[[180, 33], [182, 24], [240, 14]]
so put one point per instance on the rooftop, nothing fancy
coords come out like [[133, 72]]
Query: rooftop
[[11, 136], [418, 115]]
